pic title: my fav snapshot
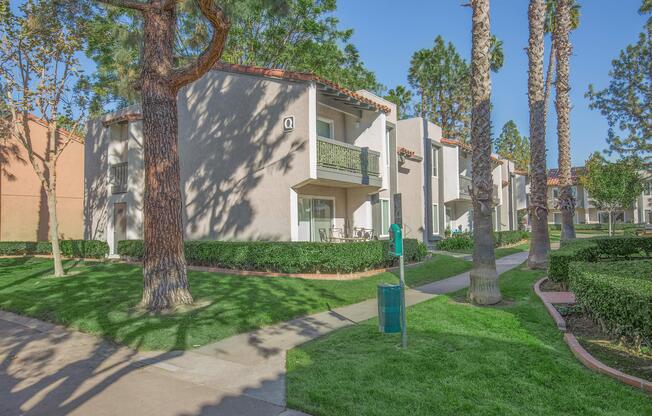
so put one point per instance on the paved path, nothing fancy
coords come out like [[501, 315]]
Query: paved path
[[47, 370]]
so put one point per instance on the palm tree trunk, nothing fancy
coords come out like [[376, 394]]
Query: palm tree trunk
[[165, 282], [566, 200], [484, 289], [549, 75], [540, 242]]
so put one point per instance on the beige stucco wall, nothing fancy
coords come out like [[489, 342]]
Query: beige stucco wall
[[238, 166], [23, 206], [410, 177]]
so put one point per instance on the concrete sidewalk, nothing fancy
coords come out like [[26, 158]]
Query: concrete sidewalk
[[45, 369]]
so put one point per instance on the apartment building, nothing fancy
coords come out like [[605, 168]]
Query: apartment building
[[24, 212], [264, 154], [586, 211], [434, 179]]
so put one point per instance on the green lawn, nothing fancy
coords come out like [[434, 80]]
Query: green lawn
[[462, 359], [101, 298], [502, 251]]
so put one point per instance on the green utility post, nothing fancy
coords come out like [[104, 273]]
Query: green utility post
[[396, 249]]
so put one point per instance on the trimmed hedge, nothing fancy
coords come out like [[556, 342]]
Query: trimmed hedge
[[593, 249], [617, 294], [288, 257], [599, 227], [465, 241], [69, 248]]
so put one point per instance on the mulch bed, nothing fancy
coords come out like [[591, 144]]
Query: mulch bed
[[550, 286], [615, 353]]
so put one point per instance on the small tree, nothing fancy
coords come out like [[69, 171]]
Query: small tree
[[511, 145], [612, 186], [40, 73]]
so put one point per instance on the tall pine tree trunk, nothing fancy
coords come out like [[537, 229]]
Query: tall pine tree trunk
[[484, 289], [164, 266], [566, 200], [540, 242]]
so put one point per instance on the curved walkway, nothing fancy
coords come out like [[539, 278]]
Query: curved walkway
[[241, 375]]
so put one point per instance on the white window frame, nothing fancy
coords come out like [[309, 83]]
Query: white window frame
[[434, 160], [387, 134], [332, 126], [434, 219], [384, 228]]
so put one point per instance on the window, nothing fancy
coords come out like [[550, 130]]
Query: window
[[387, 152], [384, 217], [555, 192], [325, 128], [647, 190], [435, 219], [435, 160]]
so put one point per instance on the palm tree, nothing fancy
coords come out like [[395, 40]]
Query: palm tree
[[418, 76], [540, 241], [484, 288], [400, 96], [551, 7], [566, 200]]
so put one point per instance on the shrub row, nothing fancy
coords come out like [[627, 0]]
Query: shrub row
[[592, 249], [69, 248], [465, 241], [598, 227], [288, 257], [617, 294]]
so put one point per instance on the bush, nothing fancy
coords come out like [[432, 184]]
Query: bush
[[288, 257], [458, 242], [617, 294], [69, 248], [593, 249], [628, 227], [463, 242]]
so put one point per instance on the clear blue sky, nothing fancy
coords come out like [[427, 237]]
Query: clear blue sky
[[388, 32]]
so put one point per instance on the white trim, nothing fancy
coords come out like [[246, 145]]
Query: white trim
[[385, 158], [434, 207], [434, 160], [384, 232], [312, 129], [294, 216], [304, 196]]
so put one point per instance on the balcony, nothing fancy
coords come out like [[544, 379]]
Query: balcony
[[118, 178], [466, 184], [344, 162]]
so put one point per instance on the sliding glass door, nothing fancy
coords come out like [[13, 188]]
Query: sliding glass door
[[315, 218]]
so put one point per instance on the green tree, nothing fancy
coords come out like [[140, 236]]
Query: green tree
[[402, 97], [612, 186], [40, 72], [300, 35], [161, 75], [442, 78], [627, 101], [511, 145]]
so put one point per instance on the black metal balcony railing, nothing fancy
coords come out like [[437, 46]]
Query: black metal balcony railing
[[118, 178], [466, 185]]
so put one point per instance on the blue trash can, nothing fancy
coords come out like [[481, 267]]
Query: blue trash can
[[389, 308]]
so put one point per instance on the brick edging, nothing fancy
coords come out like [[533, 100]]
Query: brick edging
[[552, 311], [583, 355]]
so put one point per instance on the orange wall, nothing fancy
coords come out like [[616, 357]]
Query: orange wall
[[23, 206]]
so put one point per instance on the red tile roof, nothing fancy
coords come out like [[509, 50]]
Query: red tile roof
[[576, 172], [466, 147], [298, 76], [131, 116], [520, 172]]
